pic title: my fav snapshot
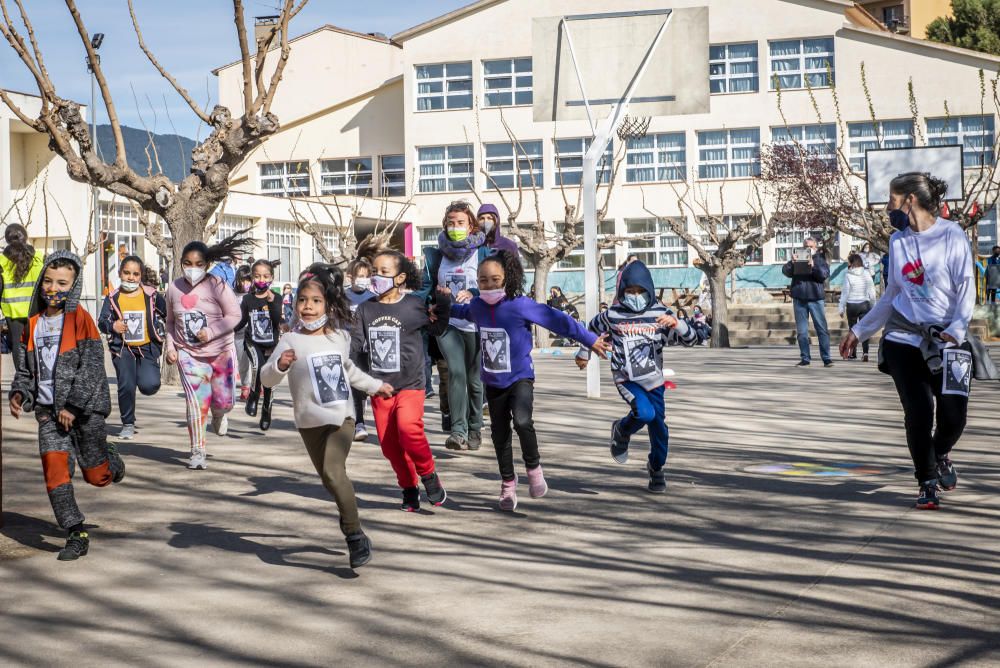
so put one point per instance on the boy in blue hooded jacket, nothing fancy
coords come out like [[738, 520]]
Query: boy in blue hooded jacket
[[640, 326]]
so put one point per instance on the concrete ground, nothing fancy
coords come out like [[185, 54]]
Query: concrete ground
[[738, 564]]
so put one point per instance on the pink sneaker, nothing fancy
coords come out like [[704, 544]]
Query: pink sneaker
[[536, 483], [508, 495]]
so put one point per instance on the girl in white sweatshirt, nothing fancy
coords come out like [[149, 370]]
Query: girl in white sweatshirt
[[316, 359], [857, 296]]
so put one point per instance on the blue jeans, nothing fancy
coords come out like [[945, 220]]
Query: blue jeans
[[648, 410], [817, 309]]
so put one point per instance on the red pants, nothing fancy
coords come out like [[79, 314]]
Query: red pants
[[399, 422]]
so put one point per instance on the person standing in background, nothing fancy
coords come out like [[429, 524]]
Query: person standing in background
[[20, 268], [809, 299], [857, 296]]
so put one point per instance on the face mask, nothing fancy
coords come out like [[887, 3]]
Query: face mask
[[458, 234], [313, 325], [382, 284], [194, 275], [55, 299], [260, 286], [488, 225], [635, 302], [492, 296], [361, 284], [129, 286], [246, 287], [898, 219]]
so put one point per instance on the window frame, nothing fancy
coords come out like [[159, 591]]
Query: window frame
[[656, 151], [577, 263], [447, 176], [960, 135], [386, 187], [858, 160], [514, 88], [657, 246], [802, 71], [519, 154], [445, 80], [728, 221], [727, 62], [289, 268], [350, 177], [728, 163], [830, 156], [285, 177], [603, 171]]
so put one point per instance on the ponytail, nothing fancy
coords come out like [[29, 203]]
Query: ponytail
[[330, 280], [928, 190], [18, 250], [231, 248]]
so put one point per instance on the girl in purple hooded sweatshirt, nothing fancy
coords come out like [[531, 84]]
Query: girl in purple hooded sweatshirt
[[504, 317], [489, 222]]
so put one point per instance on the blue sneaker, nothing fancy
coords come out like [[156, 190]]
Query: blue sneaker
[[947, 475], [619, 444], [929, 497]]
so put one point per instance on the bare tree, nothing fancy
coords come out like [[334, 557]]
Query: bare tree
[[187, 206]]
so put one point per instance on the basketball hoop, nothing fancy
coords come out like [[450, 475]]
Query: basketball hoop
[[634, 127]]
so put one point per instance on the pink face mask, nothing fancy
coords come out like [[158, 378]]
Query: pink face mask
[[492, 296]]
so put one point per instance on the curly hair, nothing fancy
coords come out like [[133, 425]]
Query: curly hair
[[330, 281], [18, 250], [229, 249], [461, 206], [513, 272], [405, 265]]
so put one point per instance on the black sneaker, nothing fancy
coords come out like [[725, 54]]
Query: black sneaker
[[619, 444], [929, 497], [435, 492], [446, 422], [475, 440], [947, 475], [360, 548], [77, 546], [828, 364], [116, 463], [657, 480], [803, 363], [251, 406], [411, 500]]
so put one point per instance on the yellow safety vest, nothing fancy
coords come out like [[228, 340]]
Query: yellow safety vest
[[16, 297]]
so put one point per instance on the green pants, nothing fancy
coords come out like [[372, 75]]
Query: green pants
[[465, 389], [328, 448]]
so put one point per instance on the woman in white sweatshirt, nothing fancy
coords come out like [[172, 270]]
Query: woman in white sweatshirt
[[857, 296], [316, 359], [925, 312]]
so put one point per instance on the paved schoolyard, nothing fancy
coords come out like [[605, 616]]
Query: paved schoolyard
[[741, 563]]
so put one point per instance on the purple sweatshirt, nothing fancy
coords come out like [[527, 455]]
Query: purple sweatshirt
[[505, 335]]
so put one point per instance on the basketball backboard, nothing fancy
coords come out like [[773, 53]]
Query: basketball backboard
[[885, 164], [603, 52]]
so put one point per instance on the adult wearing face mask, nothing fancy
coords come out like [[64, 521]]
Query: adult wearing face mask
[[454, 264], [489, 223], [809, 299], [132, 319]]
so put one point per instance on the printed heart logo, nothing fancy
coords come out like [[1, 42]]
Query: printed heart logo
[[914, 272], [382, 347], [493, 349], [958, 369], [49, 357], [330, 375], [133, 326], [189, 301]]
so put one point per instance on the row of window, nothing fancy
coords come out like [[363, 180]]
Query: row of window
[[658, 157]]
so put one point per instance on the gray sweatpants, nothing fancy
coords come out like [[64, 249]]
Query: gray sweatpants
[[465, 388]]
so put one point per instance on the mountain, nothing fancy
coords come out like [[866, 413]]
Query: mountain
[[174, 151]]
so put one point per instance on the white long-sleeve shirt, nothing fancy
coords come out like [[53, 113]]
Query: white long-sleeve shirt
[[930, 281], [858, 288], [320, 378]]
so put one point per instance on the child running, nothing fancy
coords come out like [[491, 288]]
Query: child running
[[390, 330], [60, 375], [315, 357], [640, 326], [360, 272], [201, 314], [262, 311], [504, 317]]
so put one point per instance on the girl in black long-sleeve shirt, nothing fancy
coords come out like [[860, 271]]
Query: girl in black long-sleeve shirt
[[262, 313]]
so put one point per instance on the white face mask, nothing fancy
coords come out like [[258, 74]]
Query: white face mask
[[488, 225], [129, 286], [313, 325], [194, 275], [492, 296], [362, 284]]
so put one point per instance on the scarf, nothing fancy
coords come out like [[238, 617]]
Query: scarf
[[460, 251]]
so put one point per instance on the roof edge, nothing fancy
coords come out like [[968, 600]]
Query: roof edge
[[926, 43], [453, 15]]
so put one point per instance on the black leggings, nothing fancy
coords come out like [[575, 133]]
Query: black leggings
[[918, 390], [854, 313], [507, 405], [258, 357]]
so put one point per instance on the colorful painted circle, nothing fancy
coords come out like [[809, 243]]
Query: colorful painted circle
[[837, 469]]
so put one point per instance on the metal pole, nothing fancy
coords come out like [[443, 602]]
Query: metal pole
[[99, 253]]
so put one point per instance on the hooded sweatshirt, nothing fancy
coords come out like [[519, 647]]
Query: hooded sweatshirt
[[505, 335], [151, 320], [210, 305], [495, 240], [637, 340], [76, 365]]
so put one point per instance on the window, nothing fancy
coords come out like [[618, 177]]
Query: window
[[500, 168], [429, 236], [786, 242], [229, 225], [726, 225], [732, 68], [729, 153], [894, 17], [801, 63], [974, 133], [350, 176], [284, 179], [283, 244], [884, 134], [569, 162], [393, 171], [445, 168], [988, 232], [507, 82], [656, 158], [328, 235], [575, 258], [819, 140], [661, 248], [60, 244], [118, 217], [444, 86]]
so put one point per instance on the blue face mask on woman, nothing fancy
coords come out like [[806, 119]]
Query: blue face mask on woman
[[635, 301], [899, 220]]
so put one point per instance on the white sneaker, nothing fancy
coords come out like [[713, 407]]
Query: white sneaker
[[197, 461], [360, 433], [220, 425], [127, 433]]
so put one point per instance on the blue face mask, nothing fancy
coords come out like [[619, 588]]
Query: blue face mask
[[635, 301], [898, 219]]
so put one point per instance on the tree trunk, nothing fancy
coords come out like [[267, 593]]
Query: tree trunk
[[720, 306], [542, 268]]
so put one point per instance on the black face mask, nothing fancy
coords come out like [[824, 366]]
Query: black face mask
[[898, 219]]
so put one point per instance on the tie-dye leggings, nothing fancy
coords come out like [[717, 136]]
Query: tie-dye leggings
[[209, 382]]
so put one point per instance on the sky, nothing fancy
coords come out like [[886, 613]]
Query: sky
[[189, 37]]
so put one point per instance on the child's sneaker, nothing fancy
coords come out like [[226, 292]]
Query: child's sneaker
[[947, 475], [929, 498], [508, 495], [115, 463], [220, 424], [432, 486], [127, 433], [77, 545], [619, 444], [360, 548], [360, 433], [411, 500], [657, 479], [197, 461], [537, 486]]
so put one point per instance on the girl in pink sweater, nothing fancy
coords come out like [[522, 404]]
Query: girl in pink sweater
[[202, 312]]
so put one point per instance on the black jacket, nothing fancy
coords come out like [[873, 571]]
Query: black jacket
[[810, 288], [156, 313]]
